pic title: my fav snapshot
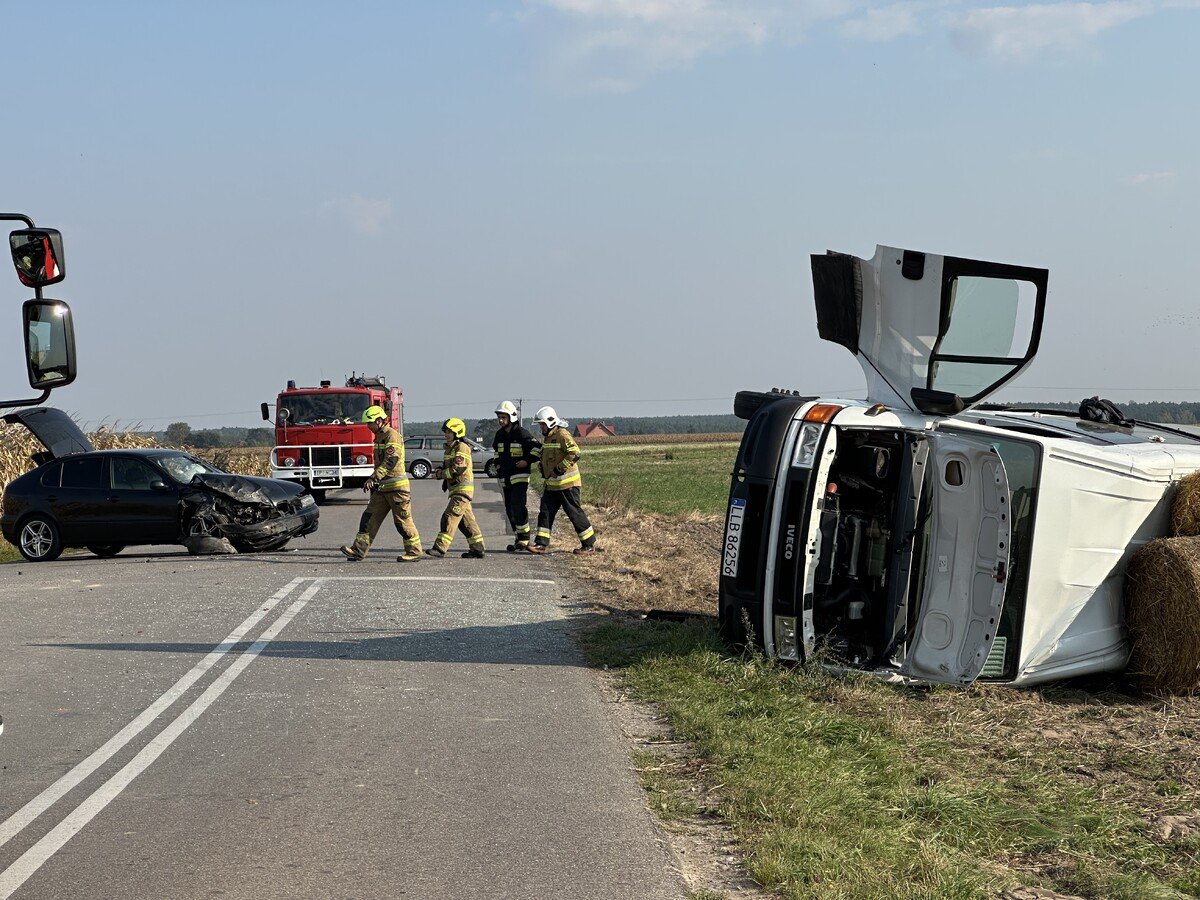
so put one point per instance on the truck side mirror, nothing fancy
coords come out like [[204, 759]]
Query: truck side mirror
[[37, 254], [266, 412], [49, 343]]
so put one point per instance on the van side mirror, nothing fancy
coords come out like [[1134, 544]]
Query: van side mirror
[[49, 343], [37, 254], [266, 412]]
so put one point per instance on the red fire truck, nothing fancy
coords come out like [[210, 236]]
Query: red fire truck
[[320, 438]]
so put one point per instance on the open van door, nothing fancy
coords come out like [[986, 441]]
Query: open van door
[[933, 334], [964, 559]]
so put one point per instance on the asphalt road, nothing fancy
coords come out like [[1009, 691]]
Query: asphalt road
[[296, 725]]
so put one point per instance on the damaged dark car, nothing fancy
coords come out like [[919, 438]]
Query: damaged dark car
[[107, 500]]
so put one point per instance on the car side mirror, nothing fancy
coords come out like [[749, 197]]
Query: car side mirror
[[37, 254], [160, 486], [266, 412], [49, 343]]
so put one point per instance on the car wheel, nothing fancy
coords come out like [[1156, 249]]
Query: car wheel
[[491, 469], [421, 469], [105, 550], [38, 540]]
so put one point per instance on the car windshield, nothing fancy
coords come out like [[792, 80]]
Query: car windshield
[[324, 409], [184, 468]]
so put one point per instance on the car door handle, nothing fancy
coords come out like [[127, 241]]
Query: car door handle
[[113, 499]]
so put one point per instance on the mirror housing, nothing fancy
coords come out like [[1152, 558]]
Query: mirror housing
[[937, 403], [37, 255], [49, 343], [266, 412], [159, 486]]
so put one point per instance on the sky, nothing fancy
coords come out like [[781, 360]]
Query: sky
[[605, 205]]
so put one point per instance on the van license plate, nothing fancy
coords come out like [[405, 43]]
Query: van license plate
[[733, 537]]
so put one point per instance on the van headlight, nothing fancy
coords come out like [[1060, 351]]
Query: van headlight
[[806, 446], [785, 638]]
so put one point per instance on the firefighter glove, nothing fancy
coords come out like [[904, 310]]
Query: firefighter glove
[[369, 484]]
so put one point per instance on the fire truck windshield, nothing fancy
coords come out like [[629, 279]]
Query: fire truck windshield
[[325, 408]]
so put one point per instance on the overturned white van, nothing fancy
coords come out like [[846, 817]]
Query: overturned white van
[[918, 534]]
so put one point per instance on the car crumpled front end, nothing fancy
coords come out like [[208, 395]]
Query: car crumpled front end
[[251, 513]]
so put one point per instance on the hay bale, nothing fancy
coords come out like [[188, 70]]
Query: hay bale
[[1185, 508], [1162, 609]]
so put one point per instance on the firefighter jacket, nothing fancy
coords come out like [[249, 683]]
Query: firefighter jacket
[[389, 474], [457, 470], [510, 446], [559, 454]]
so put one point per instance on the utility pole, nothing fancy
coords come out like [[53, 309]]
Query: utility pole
[[520, 407]]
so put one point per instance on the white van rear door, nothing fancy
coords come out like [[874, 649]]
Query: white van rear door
[[933, 323], [966, 561]]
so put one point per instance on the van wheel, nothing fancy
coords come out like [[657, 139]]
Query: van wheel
[[421, 469], [106, 550], [39, 540]]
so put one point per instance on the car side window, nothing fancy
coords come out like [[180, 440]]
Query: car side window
[[132, 475], [52, 477], [87, 472], [412, 444]]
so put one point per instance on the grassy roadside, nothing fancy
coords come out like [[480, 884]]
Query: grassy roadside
[[8, 553], [853, 788]]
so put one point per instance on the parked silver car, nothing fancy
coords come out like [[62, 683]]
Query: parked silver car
[[423, 454]]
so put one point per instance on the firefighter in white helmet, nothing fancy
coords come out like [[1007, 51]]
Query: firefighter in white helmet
[[458, 479], [514, 448], [389, 489], [558, 459]]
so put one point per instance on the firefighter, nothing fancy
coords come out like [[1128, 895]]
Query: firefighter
[[514, 447], [558, 461], [458, 479], [389, 490]]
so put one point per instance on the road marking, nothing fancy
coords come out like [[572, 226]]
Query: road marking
[[13, 825], [437, 578], [36, 856]]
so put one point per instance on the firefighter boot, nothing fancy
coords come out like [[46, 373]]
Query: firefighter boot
[[414, 554], [474, 553], [437, 551], [351, 554]]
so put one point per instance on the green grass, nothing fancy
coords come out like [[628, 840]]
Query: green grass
[[8, 553], [664, 478], [833, 795]]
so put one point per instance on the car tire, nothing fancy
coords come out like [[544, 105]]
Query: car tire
[[421, 469], [491, 469], [106, 550], [38, 539]]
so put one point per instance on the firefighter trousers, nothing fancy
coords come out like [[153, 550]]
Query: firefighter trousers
[[459, 515], [516, 507], [568, 502], [399, 504]]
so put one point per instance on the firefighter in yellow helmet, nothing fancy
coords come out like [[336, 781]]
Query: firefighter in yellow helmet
[[559, 458], [458, 479], [390, 493]]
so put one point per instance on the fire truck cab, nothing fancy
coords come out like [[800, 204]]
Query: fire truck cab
[[320, 438]]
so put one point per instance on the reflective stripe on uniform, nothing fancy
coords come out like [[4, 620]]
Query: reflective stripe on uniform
[[521, 529], [570, 478], [518, 479], [393, 484], [544, 533], [463, 490], [552, 445], [587, 533], [476, 541]]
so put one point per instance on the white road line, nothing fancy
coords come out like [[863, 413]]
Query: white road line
[[37, 855], [438, 578], [13, 825]]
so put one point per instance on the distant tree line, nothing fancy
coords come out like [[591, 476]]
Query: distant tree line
[[485, 428], [177, 434], [1153, 411]]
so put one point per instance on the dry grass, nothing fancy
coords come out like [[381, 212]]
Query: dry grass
[[1162, 608]]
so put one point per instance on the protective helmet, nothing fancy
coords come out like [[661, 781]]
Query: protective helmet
[[547, 416], [508, 408], [457, 427], [374, 414]]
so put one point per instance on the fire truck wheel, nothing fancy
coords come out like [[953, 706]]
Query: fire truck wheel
[[421, 469]]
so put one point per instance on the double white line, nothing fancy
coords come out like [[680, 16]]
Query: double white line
[[37, 855]]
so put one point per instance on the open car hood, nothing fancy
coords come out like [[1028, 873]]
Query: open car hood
[[54, 428], [929, 330]]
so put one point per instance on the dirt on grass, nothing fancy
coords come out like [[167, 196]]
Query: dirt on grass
[[1138, 755]]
